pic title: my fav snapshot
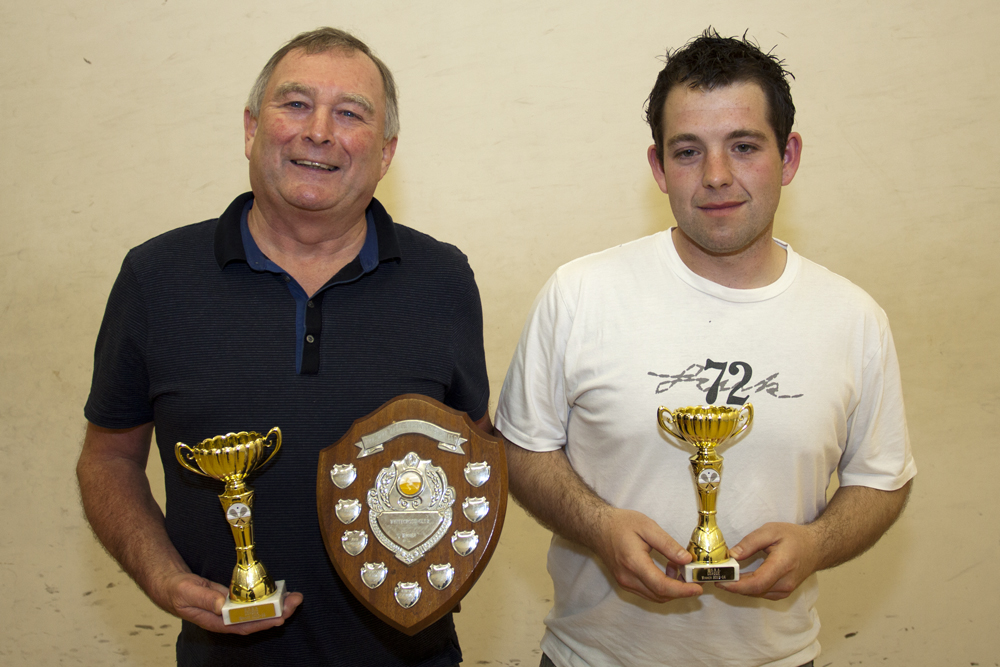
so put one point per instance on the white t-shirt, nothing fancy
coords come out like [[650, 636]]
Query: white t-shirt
[[613, 336]]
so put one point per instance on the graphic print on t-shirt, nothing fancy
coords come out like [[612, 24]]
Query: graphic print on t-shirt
[[710, 378]]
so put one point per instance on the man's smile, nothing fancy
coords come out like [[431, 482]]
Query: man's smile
[[315, 165], [720, 208]]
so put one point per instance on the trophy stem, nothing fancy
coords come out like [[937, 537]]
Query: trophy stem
[[707, 543], [250, 580]]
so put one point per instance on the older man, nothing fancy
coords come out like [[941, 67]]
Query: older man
[[302, 306], [714, 311]]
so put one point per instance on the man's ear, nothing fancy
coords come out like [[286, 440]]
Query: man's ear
[[388, 150], [790, 159], [657, 166], [249, 130]]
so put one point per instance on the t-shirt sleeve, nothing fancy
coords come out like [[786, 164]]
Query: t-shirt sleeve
[[469, 390], [119, 391], [533, 410], [878, 445]]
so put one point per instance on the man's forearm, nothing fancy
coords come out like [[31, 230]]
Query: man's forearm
[[545, 484], [121, 509], [854, 520]]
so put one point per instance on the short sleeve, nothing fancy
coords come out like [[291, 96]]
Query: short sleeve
[[533, 410], [119, 391], [469, 390], [878, 445]]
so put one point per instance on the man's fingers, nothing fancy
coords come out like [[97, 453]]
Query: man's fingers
[[194, 592], [628, 540], [200, 601], [751, 583], [292, 601], [644, 578], [655, 586], [756, 541], [660, 540]]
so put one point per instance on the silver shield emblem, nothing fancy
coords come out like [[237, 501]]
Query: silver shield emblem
[[407, 593], [354, 541], [343, 475], [348, 510], [373, 574], [410, 507], [477, 474], [475, 509], [464, 542], [440, 576]]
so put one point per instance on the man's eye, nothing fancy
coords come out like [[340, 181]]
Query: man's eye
[[744, 148], [688, 152], [296, 104]]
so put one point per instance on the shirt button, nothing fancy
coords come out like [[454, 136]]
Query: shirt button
[[288, 278], [310, 339], [311, 304]]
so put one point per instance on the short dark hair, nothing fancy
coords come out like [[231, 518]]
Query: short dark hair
[[709, 61], [319, 41]]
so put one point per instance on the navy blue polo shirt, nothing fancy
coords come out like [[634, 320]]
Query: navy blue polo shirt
[[308, 314], [201, 342]]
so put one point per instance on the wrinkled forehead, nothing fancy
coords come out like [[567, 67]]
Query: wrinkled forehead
[[342, 68]]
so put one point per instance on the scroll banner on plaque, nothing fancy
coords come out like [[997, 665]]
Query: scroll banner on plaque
[[411, 504]]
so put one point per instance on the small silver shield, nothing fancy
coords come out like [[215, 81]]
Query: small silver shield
[[373, 574], [348, 510], [477, 474], [475, 509], [464, 542], [440, 576], [354, 541], [343, 475], [407, 593]]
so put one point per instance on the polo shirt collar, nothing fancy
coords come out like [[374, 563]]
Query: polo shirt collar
[[229, 245]]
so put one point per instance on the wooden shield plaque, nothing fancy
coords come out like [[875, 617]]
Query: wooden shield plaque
[[411, 504]]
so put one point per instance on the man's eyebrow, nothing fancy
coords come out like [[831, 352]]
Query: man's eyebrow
[[681, 138], [747, 134], [293, 87], [360, 100], [742, 133]]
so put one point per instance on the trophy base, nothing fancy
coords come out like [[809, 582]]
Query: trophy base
[[727, 570], [269, 607]]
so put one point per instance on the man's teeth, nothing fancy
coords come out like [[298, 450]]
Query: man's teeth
[[318, 165]]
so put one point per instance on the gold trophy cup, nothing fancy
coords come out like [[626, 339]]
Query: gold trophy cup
[[230, 458], [707, 427]]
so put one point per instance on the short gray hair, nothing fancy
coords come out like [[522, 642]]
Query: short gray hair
[[322, 40]]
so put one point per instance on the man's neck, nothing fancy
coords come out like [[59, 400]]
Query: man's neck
[[311, 250], [758, 265]]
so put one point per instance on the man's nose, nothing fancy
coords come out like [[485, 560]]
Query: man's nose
[[320, 127], [718, 172]]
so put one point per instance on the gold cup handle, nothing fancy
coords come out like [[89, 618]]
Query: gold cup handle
[[180, 458], [668, 424], [744, 419], [275, 435]]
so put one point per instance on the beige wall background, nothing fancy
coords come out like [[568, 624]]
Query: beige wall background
[[522, 143]]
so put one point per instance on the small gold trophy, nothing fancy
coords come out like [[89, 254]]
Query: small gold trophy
[[706, 427], [230, 458]]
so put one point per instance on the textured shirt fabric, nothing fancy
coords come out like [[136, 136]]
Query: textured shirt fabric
[[615, 335], [202, 344]]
